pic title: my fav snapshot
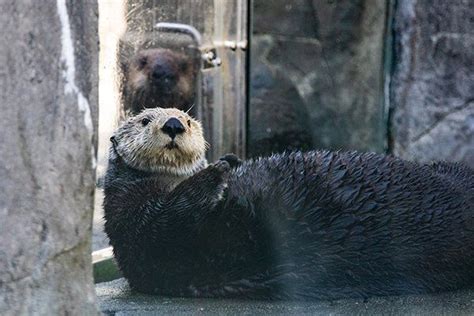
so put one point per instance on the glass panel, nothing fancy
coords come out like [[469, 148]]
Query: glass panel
[[317, 76]]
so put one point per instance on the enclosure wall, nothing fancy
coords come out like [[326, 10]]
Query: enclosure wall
[[48, 79]]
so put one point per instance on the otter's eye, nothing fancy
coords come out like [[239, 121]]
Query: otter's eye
[[145, 121], [189, 123]]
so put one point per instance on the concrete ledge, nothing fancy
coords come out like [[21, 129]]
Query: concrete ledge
[[115, 298], [105, 266]]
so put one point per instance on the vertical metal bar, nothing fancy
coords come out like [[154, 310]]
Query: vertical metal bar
[[248, 69], [230, 94], [218, 99]]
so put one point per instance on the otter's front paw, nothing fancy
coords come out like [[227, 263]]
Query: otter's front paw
[[232, 159], [220, 169]]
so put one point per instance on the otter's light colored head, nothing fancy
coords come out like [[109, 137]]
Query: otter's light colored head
[[161, 140]]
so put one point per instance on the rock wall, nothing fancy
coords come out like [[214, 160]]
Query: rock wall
[[48, 75], [432, 87]]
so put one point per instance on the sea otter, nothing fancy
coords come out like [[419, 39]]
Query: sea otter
[[158, 77], [298, 225]]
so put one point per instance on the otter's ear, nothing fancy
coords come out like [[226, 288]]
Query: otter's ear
[[112, 139]]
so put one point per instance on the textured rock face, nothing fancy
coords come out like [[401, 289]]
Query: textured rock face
[[432, 89], [331, 52], [48, 65]]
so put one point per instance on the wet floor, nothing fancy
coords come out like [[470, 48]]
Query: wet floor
[[115, 298]]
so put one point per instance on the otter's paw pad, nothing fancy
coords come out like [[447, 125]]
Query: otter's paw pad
[[232, 159]]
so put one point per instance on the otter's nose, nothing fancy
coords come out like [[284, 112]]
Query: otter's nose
[[173, 127]]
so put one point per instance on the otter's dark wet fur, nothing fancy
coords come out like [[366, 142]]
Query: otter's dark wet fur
[[314, 225]]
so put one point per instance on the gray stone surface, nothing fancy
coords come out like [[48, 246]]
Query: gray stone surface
[[332, 54], [432, 89], [115, 298], [48, 75], [99, 237]]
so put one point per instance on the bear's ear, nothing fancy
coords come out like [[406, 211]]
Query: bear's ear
[[184, 65]]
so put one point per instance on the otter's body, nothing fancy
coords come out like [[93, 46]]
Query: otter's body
[[315, 225]]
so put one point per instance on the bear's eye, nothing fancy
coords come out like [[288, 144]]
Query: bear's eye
[[189, 123], [142, 62], [145, 121], [184, 66]]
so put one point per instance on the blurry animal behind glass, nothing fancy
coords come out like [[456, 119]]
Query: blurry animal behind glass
[[157, 67], [158, 77]]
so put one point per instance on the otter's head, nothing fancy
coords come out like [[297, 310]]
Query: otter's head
[[161, 140], [161, 77]]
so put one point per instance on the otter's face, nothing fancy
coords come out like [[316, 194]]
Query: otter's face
[[161, 140]]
